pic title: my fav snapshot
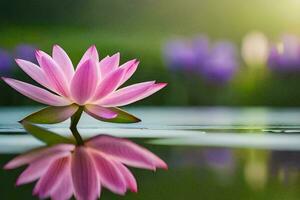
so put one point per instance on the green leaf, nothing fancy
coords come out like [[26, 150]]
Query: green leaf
[[51, 114], [122, 117], [46, 136]]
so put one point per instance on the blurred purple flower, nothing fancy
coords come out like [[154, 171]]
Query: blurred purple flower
[[25, 52], [201, 50], [219, 158], [221, 64], [216, 64], [180, 55], [6, 62], [285, 56]]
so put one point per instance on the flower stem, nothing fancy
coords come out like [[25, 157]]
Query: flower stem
[[73, 127]]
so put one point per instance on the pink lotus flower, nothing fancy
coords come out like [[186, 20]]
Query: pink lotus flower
[[93, 85], [65, 169]]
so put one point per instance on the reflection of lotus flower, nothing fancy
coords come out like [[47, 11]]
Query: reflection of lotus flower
[[93, 84], [221, 64], [65, 169], [255, 49], [26, 52], [5, 62], [285, 57]]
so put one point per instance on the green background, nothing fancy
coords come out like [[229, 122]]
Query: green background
[[139, 29]]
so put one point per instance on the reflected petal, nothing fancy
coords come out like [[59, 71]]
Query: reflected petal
[[109, 174], [128, 176], [84, 175], [34, 171], [126, 152], [52, 178], [56, 151], [64, 190]]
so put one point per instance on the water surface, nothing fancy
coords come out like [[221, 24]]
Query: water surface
[[213, 153]]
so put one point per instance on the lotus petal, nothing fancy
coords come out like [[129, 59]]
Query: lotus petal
[[34, 71], [100, 112], [84, 82], [63, 60], [36, 93], [90, 54], [109, 84], [109, 64], [131, 94]]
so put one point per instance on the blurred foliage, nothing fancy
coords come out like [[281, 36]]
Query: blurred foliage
[[138, 29], [257, 87]]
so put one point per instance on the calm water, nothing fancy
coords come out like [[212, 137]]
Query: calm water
[[213, 153]]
